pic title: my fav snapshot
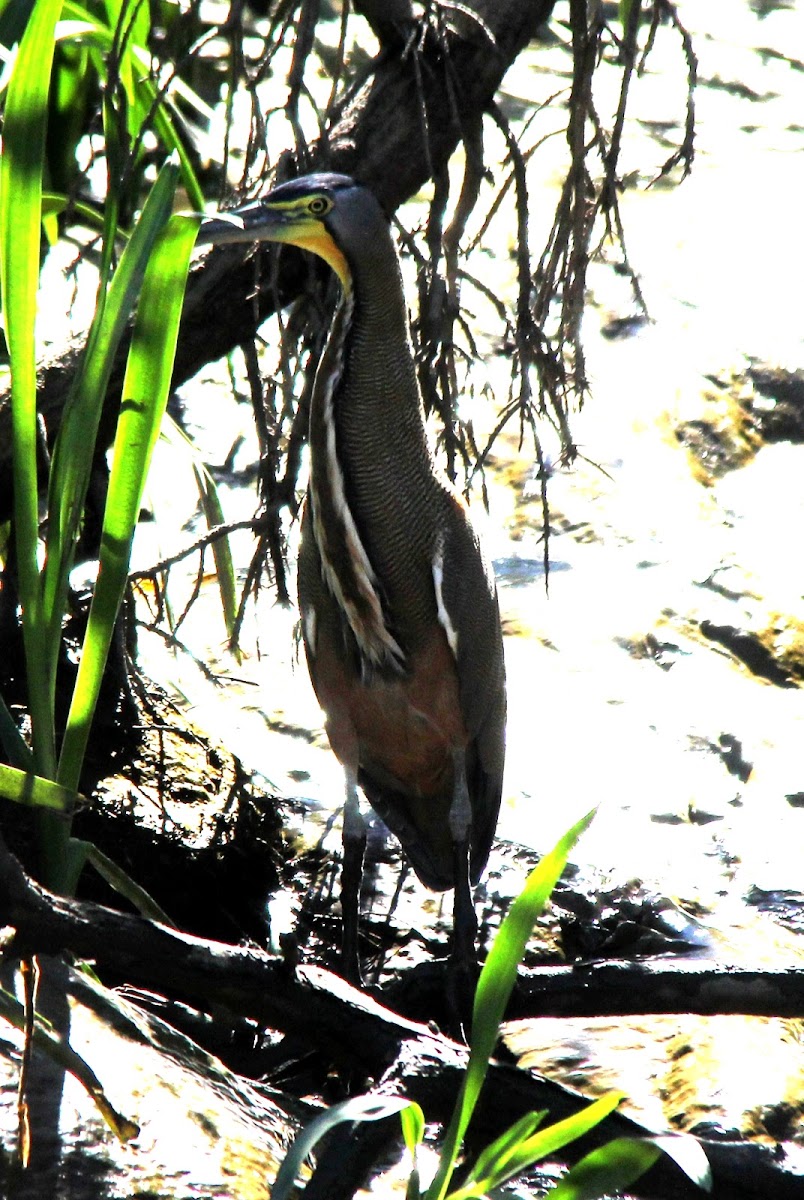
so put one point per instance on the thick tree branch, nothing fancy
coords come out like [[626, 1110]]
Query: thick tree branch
[[629, 988], [260, 985]]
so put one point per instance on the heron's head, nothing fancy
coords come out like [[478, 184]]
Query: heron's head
[[330, 215]]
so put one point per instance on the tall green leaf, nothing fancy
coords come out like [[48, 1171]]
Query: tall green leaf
[[121, 52], [23, 787], [609, 1168], [359, 1108], [493, 991], [21, 169], [214, 515], [500, 1163], [145, 393], [75, 446]]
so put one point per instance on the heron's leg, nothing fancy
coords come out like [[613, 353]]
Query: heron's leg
[[463, 953], [354, 846]]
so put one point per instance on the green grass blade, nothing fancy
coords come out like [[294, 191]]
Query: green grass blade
[[412, 1121], [499, 972], [54, 204], [165, 126], [493, 992], [537, 1146], [16, 749], [359, 1108], [492, 1161], [221, 547], [123, 884], [131, 17], [21, 169], [33, 791], [688, 1154], [145, 393], [213, 515], [72, 458], [611, 1168], [130, 23]]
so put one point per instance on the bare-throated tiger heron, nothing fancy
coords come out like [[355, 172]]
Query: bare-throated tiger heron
[[398, 603]]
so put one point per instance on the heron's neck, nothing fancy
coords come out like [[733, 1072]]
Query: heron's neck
[[378, 407], [368, 453]]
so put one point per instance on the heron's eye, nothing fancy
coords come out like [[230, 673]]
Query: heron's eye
[[319, 205]]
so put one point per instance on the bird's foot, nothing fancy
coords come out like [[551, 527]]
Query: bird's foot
[[351, 877], [350, 966], [462, 974]]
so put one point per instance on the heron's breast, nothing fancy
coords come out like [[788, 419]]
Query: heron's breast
[[401, 730]]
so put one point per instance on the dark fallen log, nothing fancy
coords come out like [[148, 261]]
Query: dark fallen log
[[626, 988], [630, 987], [263, 986], [393, 132], [308, 1001], [316, 1006]]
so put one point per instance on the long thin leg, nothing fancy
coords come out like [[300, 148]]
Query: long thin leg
[[463, 953], [354, 846]]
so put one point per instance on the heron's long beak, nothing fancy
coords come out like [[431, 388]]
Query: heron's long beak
[[252, 222]]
